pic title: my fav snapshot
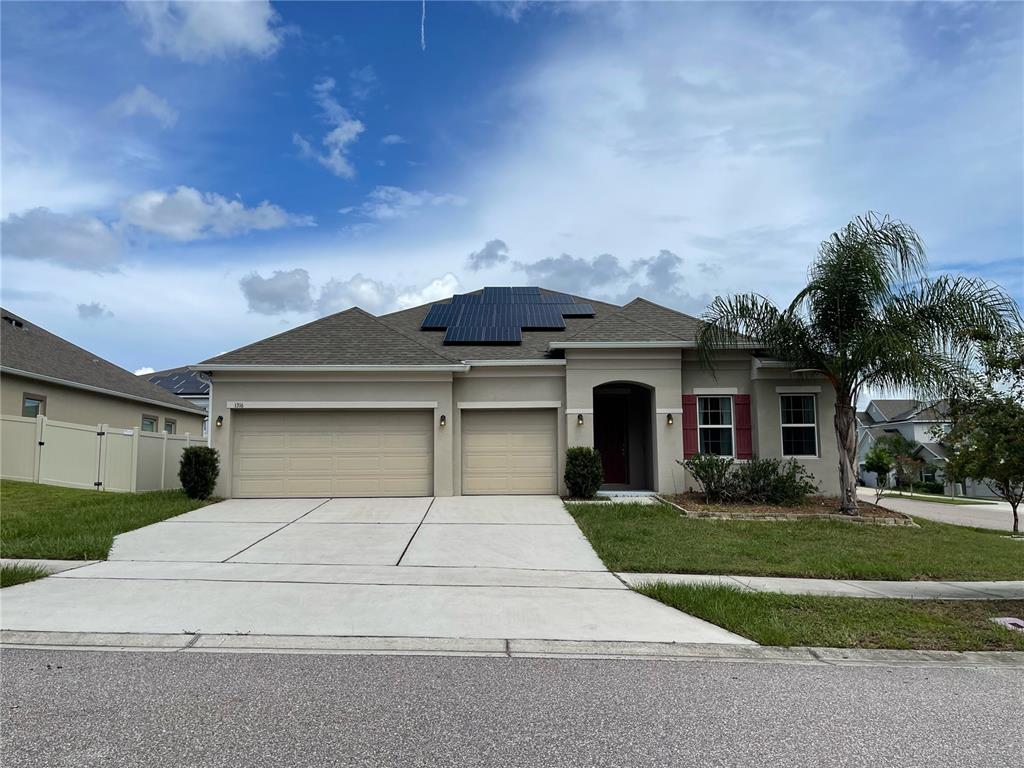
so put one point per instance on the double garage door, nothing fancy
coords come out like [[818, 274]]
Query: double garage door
[[333, 453], [388, 453]]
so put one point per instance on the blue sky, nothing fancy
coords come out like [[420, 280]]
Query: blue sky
[[181, 179]]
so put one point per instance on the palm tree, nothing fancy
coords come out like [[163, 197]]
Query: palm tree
[[868, 317]]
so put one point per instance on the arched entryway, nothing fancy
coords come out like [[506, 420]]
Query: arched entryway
[[623, 435]]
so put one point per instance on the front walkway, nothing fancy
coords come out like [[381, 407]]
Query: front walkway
[[996, 515], [907, 590], [502, 568]]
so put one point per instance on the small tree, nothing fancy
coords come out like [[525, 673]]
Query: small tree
[[902, 452], [879, 460], [986, 444]]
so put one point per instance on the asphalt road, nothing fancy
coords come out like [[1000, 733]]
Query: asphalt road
[[81, 708]]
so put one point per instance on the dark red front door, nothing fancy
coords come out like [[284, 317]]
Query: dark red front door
[[611, 436]]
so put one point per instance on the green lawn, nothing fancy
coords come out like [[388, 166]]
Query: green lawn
[[47, 521], [848, 622], [657, 539], [19, 574]]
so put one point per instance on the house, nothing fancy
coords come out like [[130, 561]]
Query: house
[[187, 384], [483, 392], [921, 422], [43, 375]]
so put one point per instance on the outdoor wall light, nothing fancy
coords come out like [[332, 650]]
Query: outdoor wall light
[[444, 420], [669, 420], [220, 421], [579, 419]]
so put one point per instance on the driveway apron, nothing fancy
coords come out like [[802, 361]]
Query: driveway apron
[[513, 567]]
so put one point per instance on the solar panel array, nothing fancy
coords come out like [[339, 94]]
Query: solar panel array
[[500, 315]]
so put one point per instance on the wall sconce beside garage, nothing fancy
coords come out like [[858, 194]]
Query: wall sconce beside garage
[[220, 421], [444, 420]]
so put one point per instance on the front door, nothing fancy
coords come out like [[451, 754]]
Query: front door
[[611, 436]]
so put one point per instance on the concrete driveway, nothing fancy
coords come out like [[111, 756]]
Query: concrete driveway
[[456, 567], [997, 515]]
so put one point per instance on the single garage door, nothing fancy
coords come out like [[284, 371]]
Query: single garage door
[[513, 451], [332, 453]]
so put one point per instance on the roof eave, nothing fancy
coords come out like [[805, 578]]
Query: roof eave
[[256, 368], [100, 390]]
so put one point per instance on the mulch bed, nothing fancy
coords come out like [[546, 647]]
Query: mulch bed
[[813, 507]]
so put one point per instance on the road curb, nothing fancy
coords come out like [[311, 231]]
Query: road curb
[[502, 648]]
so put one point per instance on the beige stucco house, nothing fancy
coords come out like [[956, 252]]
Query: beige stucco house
[[483, 392], [42, 374]]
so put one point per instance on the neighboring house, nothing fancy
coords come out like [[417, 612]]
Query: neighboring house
[[187, 384], [919, 422], [483, 393], [42, 374]]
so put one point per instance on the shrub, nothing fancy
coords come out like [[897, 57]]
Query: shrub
[[583, 472], [931, 486], [198, 472], [792, 484], [758, 481], [712, 472]]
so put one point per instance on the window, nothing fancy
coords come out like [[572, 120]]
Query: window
[[33, 405], [799, 425], [170, 426], [149, 423], [714, 425]]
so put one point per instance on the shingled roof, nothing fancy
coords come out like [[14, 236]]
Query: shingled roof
[[352, 337], [355, 337], [27, 348]]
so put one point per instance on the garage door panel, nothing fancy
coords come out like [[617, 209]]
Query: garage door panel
[[511, 451], [333, 453]]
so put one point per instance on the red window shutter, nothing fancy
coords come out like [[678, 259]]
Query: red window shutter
[[744, 440], [690, 446]]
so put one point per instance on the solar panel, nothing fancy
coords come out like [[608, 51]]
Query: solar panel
[[508, 334], [499, 315]]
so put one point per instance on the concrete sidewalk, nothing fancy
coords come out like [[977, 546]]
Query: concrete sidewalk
[[904, 590]]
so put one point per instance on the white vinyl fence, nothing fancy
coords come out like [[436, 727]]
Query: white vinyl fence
[[96, 457]]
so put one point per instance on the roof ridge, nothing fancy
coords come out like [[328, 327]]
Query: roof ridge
[[662, 306]]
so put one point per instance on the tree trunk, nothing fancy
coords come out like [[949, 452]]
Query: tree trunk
[[846, 436], [1016, 520]]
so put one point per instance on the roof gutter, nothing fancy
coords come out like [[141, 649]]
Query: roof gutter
[[455, 368], [681, 344], [100, 390]]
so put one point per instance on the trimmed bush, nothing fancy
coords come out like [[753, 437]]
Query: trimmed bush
[[583, 472], [200, 467], [712, 472]]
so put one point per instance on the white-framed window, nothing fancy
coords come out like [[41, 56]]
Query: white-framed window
[[715, 425], [799, 425], [170, 426], [149, 423]]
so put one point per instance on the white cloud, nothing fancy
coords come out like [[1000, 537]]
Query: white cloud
[[188, 214], [378, 297], [199, 31], [493, 253], [142, 101], [386, 203], [75, 242], [662, 278], [338, 140], [144, 371], [284, 291], [362, 82], [93, 311], [392, 139]]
